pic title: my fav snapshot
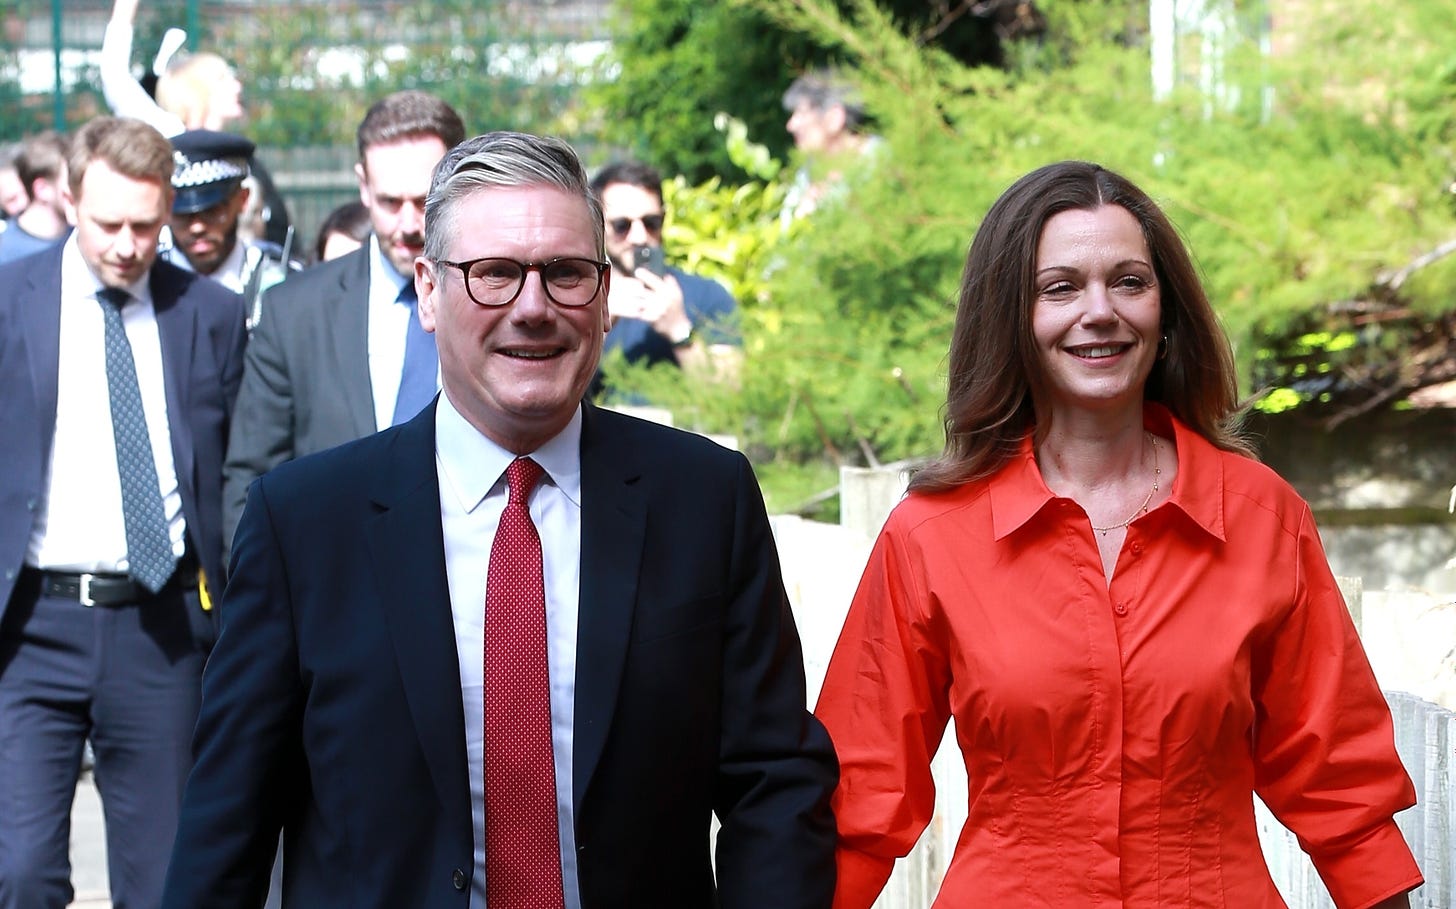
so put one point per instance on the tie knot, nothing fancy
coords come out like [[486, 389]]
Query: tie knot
[[407, 294], [113, 296], [522, 477]]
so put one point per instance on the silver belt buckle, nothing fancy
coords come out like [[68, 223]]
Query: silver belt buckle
[[86, 590]]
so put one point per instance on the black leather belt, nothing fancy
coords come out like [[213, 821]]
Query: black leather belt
[[105, 588]]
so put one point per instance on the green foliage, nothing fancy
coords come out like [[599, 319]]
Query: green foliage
[[675, 64], [1291, 198], [456, 49], [311, 70]]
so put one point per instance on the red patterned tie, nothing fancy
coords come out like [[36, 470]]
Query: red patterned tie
[[522, 845]]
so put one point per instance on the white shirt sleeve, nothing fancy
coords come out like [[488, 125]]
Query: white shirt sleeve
[[124, 94]]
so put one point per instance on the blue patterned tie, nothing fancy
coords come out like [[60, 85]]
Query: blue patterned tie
[[148, 543], [421, 363]]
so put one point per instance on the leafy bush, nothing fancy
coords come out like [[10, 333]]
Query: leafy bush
[[1296, 187]]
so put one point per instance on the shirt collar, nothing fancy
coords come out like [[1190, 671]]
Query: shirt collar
[[472, 464], [1018, 492], [1198, 490], [229, 272], [382, 270]]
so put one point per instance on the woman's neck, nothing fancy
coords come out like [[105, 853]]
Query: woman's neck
[[1092, 456]]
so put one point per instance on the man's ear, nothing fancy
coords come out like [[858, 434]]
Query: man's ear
[[427, 291], [363, 185], [68, 203]]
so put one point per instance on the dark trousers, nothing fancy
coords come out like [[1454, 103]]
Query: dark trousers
[[129, 678]]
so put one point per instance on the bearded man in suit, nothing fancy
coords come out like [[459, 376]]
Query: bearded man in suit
[[338, 351]]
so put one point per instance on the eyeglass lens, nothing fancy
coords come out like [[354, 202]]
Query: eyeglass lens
[[650, 223], [568, 282]]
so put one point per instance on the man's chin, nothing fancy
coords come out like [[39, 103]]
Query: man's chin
[[203, 264], [404, 260]]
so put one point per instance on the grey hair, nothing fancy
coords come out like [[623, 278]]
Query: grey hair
[[823, 89], [503, 159]]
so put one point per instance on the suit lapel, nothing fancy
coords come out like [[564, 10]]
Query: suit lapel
[[177, 328], [613, 530], [39, 310], [407, 551], [348, 324]]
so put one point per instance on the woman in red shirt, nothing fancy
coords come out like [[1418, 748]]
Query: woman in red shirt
[[1132, 621]]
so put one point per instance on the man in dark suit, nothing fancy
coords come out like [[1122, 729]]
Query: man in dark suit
[[120, 374], [338, 351], [518, 649]]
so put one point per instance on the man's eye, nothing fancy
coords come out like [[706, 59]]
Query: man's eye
[[497, 272], [565, 274]]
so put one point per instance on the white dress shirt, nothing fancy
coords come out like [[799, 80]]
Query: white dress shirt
[[472, 497], [80, 526], [388, 322]]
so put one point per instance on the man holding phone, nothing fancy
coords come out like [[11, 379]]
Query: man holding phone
[[659, 314]]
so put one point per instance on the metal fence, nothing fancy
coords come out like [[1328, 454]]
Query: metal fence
[[313, 180], [307, 64], [310, 68]]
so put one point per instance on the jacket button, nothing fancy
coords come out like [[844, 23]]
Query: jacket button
[[1120, 608], [457, 877]]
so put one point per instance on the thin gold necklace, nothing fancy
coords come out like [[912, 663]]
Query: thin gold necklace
[[1157, 472]]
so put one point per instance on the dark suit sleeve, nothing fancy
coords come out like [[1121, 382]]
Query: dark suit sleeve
[[230, 355], [776, 766], [247, 767], [263, 424], [235, 346]]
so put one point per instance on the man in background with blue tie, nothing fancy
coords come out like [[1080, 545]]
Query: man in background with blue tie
[[339, 352], [120, 374]]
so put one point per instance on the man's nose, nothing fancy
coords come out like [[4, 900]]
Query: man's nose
[[412, 218], [125, 244], [532, 304], [637, 234]]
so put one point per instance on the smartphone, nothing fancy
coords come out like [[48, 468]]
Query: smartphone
[[650, 258]]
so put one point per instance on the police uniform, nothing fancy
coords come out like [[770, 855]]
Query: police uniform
[[210, 167]]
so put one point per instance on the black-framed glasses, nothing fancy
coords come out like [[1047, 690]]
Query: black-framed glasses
[[622, 226], [498, 281]]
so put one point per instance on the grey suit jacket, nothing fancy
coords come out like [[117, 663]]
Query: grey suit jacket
[[332, 708], [306, 381], [200, 324]]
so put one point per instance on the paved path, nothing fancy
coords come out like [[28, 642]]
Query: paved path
[[88, 849]]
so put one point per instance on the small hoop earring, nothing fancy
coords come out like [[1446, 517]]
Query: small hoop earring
[[1163, 348]]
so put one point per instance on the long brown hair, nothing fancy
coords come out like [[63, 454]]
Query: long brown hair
[[995, 377]]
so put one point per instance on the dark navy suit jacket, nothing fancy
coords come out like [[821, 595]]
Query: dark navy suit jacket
[[201, 325], [332, 706]]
